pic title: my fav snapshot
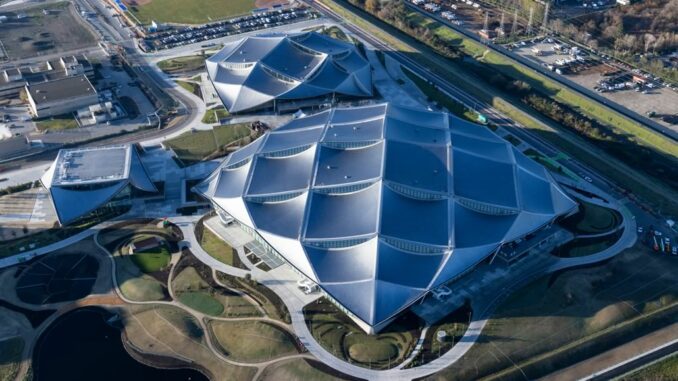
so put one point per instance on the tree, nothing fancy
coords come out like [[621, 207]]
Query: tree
[[372, 6]]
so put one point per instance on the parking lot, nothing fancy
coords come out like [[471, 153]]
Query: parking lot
[[641, 93], [174, 37], [44, 30]]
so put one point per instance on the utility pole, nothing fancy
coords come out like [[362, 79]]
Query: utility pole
[[501, 24], [545, 21], [514, 27], [486, 27], [529, 22]]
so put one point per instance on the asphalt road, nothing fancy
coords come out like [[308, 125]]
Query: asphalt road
[[583, 91]]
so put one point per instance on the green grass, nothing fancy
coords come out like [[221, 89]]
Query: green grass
[[336, 33], [191, 87], [269, 301], [592, 219], [252, 341], [593, 109], [189, 12], [10, 357], [548, 87], [193, 147], [565, 318], [343, 338], [215, 115], [182, 64], [135, 284], [217, 248], [300, 369], [152, 260], [634, 181], [202, 302], [367, 349], [663, 370], [442, 99], [189, 281], [56, 123]]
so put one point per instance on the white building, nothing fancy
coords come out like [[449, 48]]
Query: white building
[[61, 96]]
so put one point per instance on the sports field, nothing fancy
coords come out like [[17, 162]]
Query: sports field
[[187, 12]]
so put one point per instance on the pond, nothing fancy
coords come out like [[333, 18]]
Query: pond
[[81, 345]]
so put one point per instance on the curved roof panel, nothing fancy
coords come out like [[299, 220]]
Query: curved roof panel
[[256, 70], [276, 175], [341, 166], [381, 203], [83, 179], [343, 215]]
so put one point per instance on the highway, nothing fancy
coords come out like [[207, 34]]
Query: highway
[[581, 90], [492, 114]]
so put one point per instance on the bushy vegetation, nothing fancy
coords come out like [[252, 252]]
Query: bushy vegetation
[[646, 27]]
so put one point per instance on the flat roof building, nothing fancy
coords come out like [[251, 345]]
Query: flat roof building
[[380, 204], [83, 180], [60, 96], [260, 71]]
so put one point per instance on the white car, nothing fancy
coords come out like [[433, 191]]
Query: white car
[[588, 179], [640, 229]]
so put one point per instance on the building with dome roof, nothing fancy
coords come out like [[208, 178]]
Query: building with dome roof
[[260, 72], [381, 204]]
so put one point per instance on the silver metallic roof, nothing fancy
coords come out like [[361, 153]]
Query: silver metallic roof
[[379, 204], [256, 70], [81, 180]]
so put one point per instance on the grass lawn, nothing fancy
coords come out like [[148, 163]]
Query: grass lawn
[[10, 357], [635, 181], [182, 64], [170, 332], [136, 285], [271, 303], [191, 87], [252, 341], [335, 32], [196, 146], [203, 302], [215, 115], [300, 370], [217, 248], [342, 337], [189, 12], [230, 133], [568, 317], [442, 99], [56, 123], [663, 370], [188, 280], [592, 219], [152, 260], [195, 292]]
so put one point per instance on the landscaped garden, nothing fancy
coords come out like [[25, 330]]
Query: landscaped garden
[[142, 278], [194, 287], [571, 316], [181, 65], [342, 337], [443, 335], [196, 146], [252, 341], [302, 369], [214, 115]]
